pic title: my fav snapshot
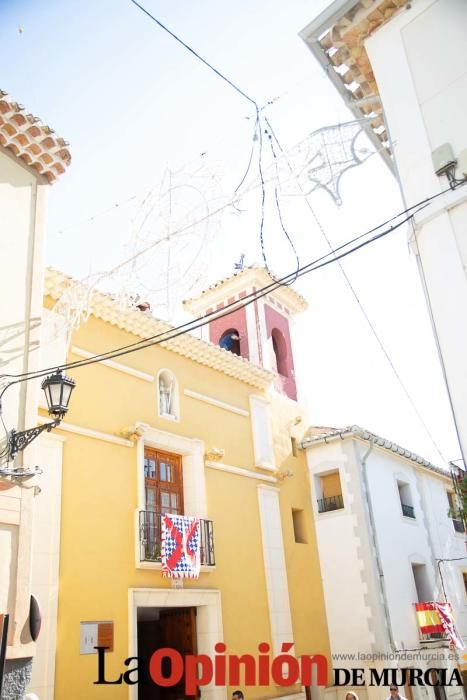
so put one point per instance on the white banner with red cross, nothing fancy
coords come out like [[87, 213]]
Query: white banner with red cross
[[181, 546]]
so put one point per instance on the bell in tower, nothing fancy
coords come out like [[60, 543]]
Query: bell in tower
[[258, 332]]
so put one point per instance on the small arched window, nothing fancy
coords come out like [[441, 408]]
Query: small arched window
[[167, 391], [279, 347], [230, 340]]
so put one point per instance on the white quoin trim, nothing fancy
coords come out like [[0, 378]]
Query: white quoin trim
[[215, 402], [240, 471], [253, 340], [262, 433], [274, 567], [114, 365], [87, 432]]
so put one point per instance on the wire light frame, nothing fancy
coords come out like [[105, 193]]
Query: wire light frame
[[167, 254], [320, 160]]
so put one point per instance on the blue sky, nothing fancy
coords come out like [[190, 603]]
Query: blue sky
[[133, 103]]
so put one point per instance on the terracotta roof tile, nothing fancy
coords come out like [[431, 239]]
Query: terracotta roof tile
[[317, 435], [31, 141], [296, 302], [341, 42]]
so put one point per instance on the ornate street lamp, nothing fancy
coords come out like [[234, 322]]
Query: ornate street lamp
[[57, 388]]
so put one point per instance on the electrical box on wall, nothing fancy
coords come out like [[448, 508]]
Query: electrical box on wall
[[443, 158]]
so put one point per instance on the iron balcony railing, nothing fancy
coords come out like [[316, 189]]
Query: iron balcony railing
[[433, 637], [458, 525], [331, 503], [150, 538], [408, 511]]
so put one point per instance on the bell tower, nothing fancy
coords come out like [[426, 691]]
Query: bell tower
[[260, 331]]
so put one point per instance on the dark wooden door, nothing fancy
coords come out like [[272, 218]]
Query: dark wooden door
[[179, 632]]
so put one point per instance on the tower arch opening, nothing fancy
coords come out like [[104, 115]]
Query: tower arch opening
[[230, 340], [279, 347]]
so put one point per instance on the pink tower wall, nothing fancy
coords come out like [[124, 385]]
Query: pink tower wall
[[236, 320], [275, 320]]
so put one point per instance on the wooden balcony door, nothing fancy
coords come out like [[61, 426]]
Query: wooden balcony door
[[163, 482]]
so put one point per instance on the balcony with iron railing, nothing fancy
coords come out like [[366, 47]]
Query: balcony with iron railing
[[331, 503], [433, 637], [408, 511], [150, 540]]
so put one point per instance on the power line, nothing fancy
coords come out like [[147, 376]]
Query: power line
[[197, 55], [253, 141], [190, 325], [172, 333], [276, 196], [97, 215], [258, 125], [363, 310]]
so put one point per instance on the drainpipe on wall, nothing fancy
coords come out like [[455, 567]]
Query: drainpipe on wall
[[379, 566]]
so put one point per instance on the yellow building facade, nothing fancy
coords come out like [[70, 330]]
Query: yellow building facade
[[187, 427]]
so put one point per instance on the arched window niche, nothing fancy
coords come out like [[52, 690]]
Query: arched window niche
[[167, 395], [279, 347], [230, 340]]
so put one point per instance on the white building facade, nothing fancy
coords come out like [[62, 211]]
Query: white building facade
[[385, 543], [404, 66], [31, 158]]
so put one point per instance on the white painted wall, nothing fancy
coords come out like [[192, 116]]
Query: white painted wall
[[349, 582], [402, 540], [22, 220], [22, 202], [8, 558], [45, 561], [447, 544], [425, 107], [348, 552]]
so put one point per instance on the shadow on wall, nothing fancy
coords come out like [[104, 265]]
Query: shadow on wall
[[12, 341]]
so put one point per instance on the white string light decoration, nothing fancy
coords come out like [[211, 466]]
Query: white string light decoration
[[173, 230], [169, 249], [174, 224], [320, 160]]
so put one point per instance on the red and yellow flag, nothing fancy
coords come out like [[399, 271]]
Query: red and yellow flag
[[428, 618]]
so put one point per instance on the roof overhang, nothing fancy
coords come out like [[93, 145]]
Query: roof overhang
[[355, 431], [143, 325], [245, 280], [336, 38], [33, 143]]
